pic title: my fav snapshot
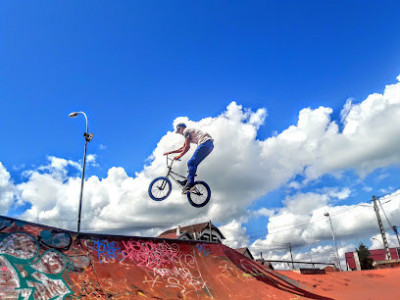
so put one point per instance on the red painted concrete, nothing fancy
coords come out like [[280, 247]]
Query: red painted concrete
[[39, 262]]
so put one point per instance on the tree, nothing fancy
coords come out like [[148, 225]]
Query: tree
[[364, 256]]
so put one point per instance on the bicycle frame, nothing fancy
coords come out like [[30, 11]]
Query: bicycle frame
[[171, 173], [160, 188]]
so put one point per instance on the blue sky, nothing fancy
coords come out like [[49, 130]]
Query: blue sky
[[135, 67]]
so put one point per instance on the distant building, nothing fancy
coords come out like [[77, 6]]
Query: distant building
[[353, 262], [198, 232], [265, 263], [330, 269]]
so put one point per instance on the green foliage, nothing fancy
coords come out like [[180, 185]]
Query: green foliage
[[363, 255]]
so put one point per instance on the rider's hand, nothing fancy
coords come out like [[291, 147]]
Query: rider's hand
[[177, 157]]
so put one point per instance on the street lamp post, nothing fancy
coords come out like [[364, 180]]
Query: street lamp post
[[378, 241], [333, 236], [88, 137], [311, 251]]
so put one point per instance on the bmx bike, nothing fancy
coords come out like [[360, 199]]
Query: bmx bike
[[160, 188]]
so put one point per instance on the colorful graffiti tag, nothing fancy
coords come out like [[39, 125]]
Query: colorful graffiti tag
[[106, 251], [29, 274], [203, 249]]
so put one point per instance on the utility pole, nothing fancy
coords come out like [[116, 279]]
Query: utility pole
[[382, 230], [210, 231], [291, 256], [397, 234]]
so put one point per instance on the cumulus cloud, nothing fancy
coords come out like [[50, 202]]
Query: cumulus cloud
[[302, 222], [240, 170], [262, 212], [377, 241], [235, 235], [6, 190], [367, 141], [121, 202]]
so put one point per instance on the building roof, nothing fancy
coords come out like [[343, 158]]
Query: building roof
[[265, 263], [191, 229], [171, 235], [243, 251]]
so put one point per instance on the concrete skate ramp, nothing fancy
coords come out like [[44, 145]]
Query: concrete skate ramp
[[40, 262]]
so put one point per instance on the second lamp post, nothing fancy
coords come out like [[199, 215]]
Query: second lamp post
[[333, 236]]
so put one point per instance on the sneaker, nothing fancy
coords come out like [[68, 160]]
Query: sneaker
[[183, 182], [187, 188]]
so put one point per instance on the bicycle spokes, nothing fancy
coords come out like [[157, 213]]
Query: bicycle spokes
[[160, 188], [200, 195], [196, 191]]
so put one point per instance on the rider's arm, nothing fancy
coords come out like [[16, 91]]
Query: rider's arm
[[175, 151], [185, 148]]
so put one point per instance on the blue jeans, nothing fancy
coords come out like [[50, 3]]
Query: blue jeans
[[202, 151]]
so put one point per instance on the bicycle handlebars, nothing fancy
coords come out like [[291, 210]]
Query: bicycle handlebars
[[171, 159]]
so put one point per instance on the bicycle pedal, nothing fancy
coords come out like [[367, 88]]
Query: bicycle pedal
[[192, 189]]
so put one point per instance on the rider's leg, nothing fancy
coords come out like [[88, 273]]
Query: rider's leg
[[202, 151]]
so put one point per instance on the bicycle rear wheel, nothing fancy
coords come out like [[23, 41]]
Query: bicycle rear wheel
[[160, 188], [200, 195]]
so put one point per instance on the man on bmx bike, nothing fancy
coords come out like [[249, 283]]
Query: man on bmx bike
[[205, 146]]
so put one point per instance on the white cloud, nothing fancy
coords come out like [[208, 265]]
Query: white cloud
[[340, 194], [377, 241], [367, 189], [240, 170], [235, 235], [6, 190], [302, 219], [262, 212], [91, 159], [294, 185], [367, 141], [57, 167]]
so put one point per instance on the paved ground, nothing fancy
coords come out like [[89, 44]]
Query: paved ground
[[39, 262]]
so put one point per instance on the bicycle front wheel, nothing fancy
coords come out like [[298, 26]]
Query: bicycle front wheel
[[200, 194], [160, 188]]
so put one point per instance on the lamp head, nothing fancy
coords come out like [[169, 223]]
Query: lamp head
[[73, 115], [326, 214]]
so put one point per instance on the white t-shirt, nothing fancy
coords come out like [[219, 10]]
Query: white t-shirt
[[196, 136]]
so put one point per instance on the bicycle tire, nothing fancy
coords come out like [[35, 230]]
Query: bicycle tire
[[166, 190], [201, 196]]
